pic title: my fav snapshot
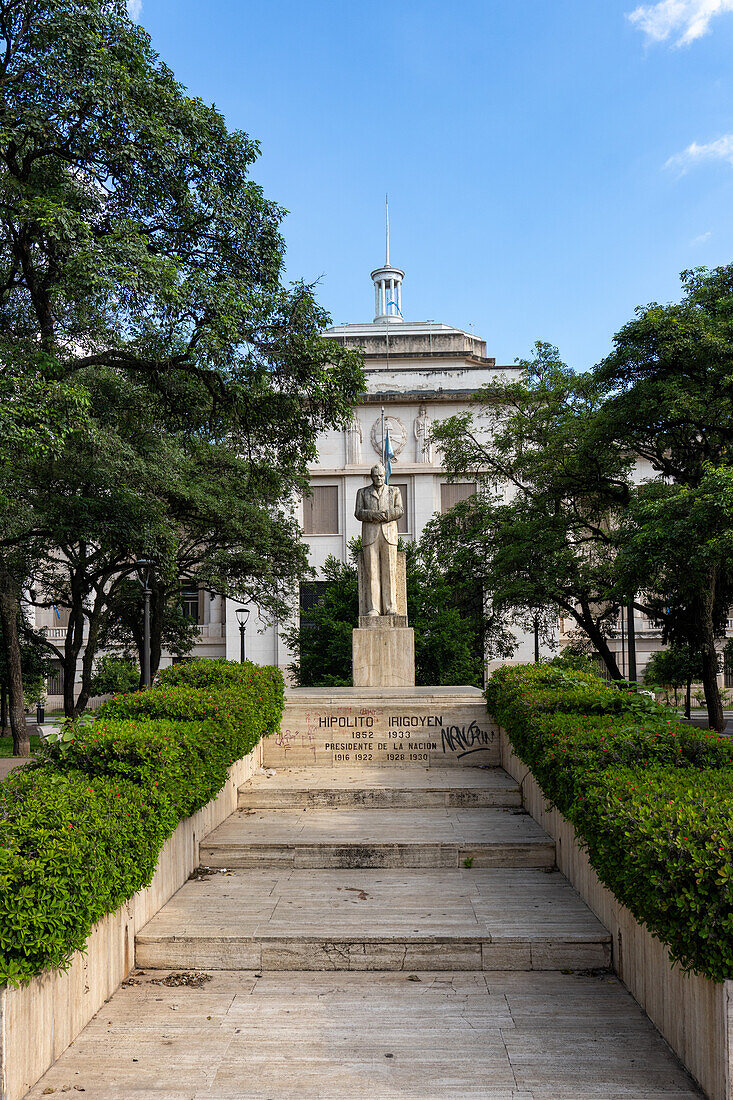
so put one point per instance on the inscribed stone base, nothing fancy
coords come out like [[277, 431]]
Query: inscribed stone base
[[415, 726], [400, 593], [384, 656]]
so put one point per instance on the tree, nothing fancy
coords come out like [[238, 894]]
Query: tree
[[678, 542], [669, 400], [540, 533], [447, 635], [668, 383], [676, 667], [114, 674], [136, 252], [170, 629]]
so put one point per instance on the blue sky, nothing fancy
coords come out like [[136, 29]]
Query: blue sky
[[551, 164]]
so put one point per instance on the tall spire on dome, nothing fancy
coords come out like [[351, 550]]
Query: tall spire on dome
[[387, 283]]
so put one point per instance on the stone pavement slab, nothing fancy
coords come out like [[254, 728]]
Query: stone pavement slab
[[315, 1036], [358, 837]]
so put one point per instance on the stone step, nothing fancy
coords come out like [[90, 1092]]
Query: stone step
[[375, 920], [380, 788], [396, 727], [246, 1035], [440, 837]]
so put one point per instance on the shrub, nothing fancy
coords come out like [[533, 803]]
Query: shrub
[[82, 825], [651, 797], [113, 674]]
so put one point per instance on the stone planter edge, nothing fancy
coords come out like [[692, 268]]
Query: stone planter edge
[[694, 1014], [40, 1019]]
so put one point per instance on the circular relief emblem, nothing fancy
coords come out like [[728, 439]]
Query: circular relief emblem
[[397, 434]]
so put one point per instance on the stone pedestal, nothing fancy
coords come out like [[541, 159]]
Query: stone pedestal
[[383, 654]]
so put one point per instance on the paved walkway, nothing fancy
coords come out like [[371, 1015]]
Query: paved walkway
[[423, 946]]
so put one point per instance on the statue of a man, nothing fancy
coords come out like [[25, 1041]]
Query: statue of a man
[[423, 443], [379, 506]]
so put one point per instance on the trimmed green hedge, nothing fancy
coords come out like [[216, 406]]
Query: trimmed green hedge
[[651, 798], [81, 827]]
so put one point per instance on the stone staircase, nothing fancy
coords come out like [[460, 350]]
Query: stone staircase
[[377, 869], [385, 931]]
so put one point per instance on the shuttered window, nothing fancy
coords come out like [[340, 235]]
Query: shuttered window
[[321, 511], [451, 492]]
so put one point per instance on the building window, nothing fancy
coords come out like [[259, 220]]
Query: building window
[[190, 603], [321, 511], [451, 492], [403, 523], [311, 595]]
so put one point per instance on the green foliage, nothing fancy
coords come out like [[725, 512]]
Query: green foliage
[[81, 827], [172, 383], [673, 667], [651, 797], [113, 675], [322, 640], [668, 388], [677, 542], [447, 631]]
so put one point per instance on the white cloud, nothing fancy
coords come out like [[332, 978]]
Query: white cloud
[[134, 9], [720, 149], [683, 20], [701, 239]]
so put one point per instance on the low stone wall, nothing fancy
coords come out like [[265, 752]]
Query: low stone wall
[[41, 1018], [694, 1014]]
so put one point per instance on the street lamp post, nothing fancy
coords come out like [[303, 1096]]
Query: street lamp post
[[143, 571], [242, 616]]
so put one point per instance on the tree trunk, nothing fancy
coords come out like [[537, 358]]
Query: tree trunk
[[9, 616], [709, 655], [713, 701], [3, 709], [688, 692], [157, 614], [586, 621], [74, 640], [87, 662]]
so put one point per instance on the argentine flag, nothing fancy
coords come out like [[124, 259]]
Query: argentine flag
[[388, 456]]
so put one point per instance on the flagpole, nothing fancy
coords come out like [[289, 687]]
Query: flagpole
[[383, 456]]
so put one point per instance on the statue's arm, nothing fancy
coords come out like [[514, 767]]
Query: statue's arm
[[397, 509]]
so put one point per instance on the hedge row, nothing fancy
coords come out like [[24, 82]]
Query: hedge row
[[82, 825], [651, 798]]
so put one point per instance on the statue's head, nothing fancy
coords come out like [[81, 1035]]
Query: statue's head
[[378, 475]]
